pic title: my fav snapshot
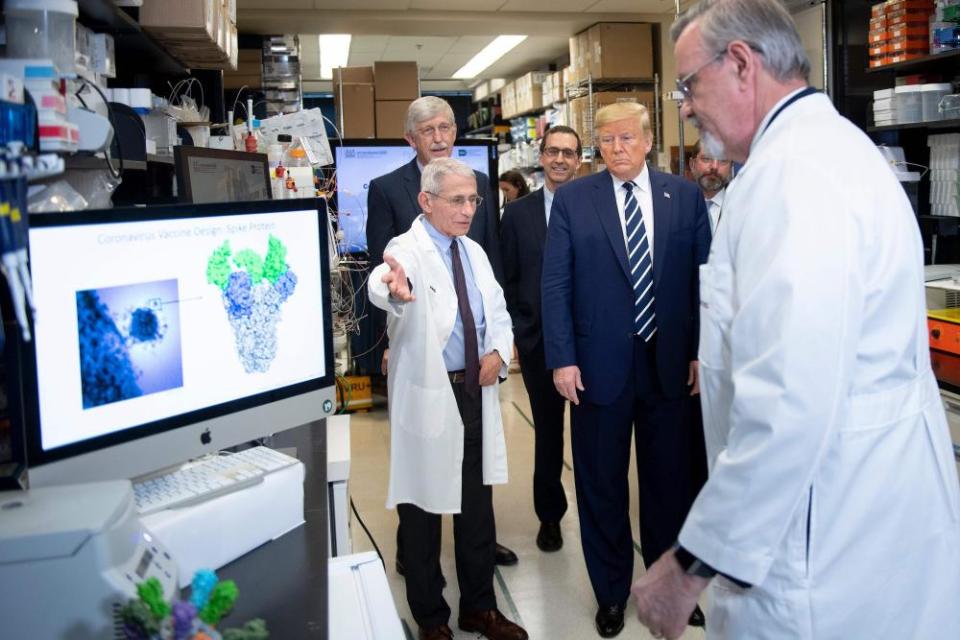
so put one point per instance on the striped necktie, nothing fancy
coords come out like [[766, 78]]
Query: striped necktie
[[641, 266]]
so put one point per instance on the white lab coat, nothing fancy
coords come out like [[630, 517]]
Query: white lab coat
[[832, 483], [426, 442]]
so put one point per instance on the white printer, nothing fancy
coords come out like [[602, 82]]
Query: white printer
[[70, 555]]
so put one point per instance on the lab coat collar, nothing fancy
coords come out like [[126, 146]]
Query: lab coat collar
[[767, 118]]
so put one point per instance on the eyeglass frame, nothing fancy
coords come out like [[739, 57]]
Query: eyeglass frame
[[569, 154], [429, 132], [683, 84], [466, 200], [708, 160]]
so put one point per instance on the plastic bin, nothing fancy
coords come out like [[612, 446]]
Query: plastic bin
[[950, 107], [908, 103], [42, 29], [930, 97]]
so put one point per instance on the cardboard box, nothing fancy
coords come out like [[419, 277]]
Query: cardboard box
[[583, 56], [508, 101], [529, 91], [620, 50], [574, 68], [391, 117], [181, 16], [396, 80], [355, 110], [582, 118], [353, 75]]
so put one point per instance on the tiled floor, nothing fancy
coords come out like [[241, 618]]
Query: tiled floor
[[549, 594]]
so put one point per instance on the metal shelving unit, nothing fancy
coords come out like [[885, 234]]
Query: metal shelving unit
[[281, 74]]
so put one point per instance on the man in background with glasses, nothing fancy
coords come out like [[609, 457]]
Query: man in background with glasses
[[831, 509], [450, 338], [392, 207], [620, 333], [713, 175], [522, 236]]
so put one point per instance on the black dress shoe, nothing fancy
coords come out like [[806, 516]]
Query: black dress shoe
[[609, 620], [549, 537], [697, 618], [504, 557]]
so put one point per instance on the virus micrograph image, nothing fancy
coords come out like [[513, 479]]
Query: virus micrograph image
[[129, 339], [253, 290]]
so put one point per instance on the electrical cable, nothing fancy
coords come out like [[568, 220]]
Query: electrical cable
[[367, 531]]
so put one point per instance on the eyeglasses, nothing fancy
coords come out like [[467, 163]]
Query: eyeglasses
[[460, 201], [685, 84], [444, 129], [627, 140], [553, 152]]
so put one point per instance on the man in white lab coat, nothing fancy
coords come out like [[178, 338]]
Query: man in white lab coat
[[450, 337], [831, 510]]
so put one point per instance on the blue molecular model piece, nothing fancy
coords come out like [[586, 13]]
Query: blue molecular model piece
[[144, 325]]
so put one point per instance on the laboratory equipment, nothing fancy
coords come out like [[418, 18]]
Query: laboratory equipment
[[42, 29], [218, 175]]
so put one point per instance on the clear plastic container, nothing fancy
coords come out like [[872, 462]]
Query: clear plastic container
[[930, 97], [908, 103], [43, 29], [950, 107]]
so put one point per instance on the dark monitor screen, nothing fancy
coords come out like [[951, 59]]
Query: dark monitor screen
[[220, 175], [164, 333], [358, 161]]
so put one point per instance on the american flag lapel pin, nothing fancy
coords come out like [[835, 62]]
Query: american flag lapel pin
[[666, 195]]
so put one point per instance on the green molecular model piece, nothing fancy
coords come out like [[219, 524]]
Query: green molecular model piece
[[275, 264], [151, 594], [218, 266], [252, 263], [221, 601]]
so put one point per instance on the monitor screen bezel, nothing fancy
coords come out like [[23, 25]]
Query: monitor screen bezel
[[181, 159], [492, 158], [37, 456]]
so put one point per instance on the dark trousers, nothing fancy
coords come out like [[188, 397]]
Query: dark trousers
[[549, 498], [600, 437], [473, 535]]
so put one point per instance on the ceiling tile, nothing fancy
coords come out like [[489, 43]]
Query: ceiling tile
[[633, 6], [274, 4], [551, 5], [396, 5], [450, 5]]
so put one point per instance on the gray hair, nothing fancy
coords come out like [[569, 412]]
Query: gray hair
[[439, 168], [765, 25], [427, 108]]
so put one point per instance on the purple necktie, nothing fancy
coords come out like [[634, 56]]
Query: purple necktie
[[471, 373]]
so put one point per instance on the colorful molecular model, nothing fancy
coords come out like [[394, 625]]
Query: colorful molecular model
[[253, 291]]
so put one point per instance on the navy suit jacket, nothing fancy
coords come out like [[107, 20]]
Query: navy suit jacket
[[392, 207], [588, 300], [523, 232]]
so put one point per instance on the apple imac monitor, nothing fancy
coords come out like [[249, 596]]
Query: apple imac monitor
[[360, 160], [166, 333], [220, 175]]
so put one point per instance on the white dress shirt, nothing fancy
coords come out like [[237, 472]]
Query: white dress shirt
[[547, 201], [644, 197], [714, 205]]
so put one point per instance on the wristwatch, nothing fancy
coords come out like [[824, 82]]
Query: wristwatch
[[691, 564]]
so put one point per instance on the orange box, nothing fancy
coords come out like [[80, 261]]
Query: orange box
[[903, 57], [879, 61], [909, 16], [876, 37], [908, 45], [879, 23], [878, 9], [909, 31], [880, 49], [909, 5]]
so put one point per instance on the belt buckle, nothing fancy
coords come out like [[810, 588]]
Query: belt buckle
[[457, 377]]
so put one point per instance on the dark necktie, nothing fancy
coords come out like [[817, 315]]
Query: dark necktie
[[641, 266], [471, 373]]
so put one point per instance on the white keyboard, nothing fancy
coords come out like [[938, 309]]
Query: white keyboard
[[206, 478]]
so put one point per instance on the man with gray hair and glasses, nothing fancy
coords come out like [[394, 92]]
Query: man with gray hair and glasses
[[450, 338], [831, 509], [392, 206]]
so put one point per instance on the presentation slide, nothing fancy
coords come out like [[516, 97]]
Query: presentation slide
[[140, 321], [357, 166]]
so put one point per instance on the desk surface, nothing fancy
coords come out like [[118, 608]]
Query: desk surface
[[285, 581]]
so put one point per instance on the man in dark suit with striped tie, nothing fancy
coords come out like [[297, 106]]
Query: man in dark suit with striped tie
[[620, 323]]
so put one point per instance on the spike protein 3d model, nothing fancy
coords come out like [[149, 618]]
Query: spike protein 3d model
[[253, 290]]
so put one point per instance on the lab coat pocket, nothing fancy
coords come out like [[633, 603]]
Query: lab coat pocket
[[716, 312], [422, 411]]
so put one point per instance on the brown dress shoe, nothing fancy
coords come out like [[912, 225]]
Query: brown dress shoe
[[439, 632], [492, 624]]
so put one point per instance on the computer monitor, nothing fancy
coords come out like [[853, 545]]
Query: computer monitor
[[165, 333], [360, 160], [220, 175]]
